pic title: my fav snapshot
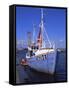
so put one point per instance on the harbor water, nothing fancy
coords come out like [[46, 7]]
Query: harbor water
[[25, 74]]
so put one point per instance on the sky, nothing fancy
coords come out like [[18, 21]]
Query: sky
[[54, 23]]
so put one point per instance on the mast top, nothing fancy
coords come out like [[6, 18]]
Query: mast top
[[41, 14]]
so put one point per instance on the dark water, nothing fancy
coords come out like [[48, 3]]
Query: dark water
[[25, 74]]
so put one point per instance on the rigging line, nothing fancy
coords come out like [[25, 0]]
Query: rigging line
[[42, 27], [47, 37]]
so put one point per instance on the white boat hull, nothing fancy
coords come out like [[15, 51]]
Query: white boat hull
[[47, 65]]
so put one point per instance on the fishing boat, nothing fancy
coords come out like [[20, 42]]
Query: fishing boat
[[43, 59]]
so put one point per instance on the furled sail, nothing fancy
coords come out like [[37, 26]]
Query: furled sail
[[39, 39]]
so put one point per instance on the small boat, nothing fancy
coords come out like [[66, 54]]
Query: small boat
[[42, 59]]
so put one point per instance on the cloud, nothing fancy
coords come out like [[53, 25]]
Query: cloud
[[61, 40]]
